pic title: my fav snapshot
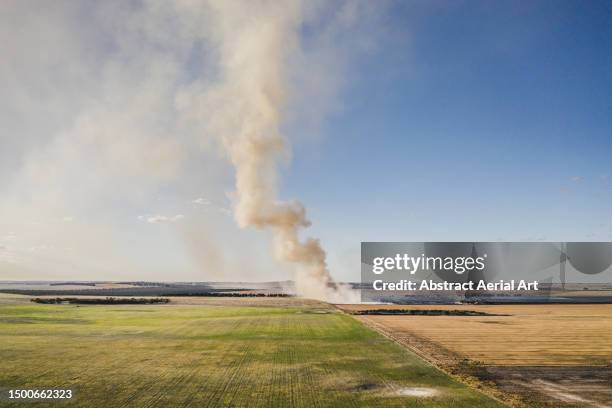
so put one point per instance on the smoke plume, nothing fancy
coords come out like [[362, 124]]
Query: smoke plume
[[254, 46]]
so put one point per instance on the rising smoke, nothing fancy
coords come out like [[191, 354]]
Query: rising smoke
[[254, 45]]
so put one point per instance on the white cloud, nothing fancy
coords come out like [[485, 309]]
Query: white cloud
[[210, 205], [201, 201], [158, 219]]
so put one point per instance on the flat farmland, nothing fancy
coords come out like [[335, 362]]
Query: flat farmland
[[194, 353], [513, 334], [557, 354]]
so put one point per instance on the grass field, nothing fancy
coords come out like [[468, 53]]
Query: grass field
[[215, 355]]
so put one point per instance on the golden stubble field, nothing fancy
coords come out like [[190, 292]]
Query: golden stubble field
[[529, 355], [515, 335]]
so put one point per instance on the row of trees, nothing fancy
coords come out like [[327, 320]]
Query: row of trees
[[101, 301]]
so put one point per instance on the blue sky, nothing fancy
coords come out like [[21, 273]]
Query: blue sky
[[473, 121]]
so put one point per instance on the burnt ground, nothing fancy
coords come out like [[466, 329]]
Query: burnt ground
[[553, 386]]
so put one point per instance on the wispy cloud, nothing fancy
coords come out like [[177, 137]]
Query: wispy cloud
[[210, 205], [201, 201], [158, 218]]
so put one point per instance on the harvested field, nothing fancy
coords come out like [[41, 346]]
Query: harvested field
[[526, 335], [543, 354]]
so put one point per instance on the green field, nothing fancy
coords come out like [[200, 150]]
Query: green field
[[212, 356]]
